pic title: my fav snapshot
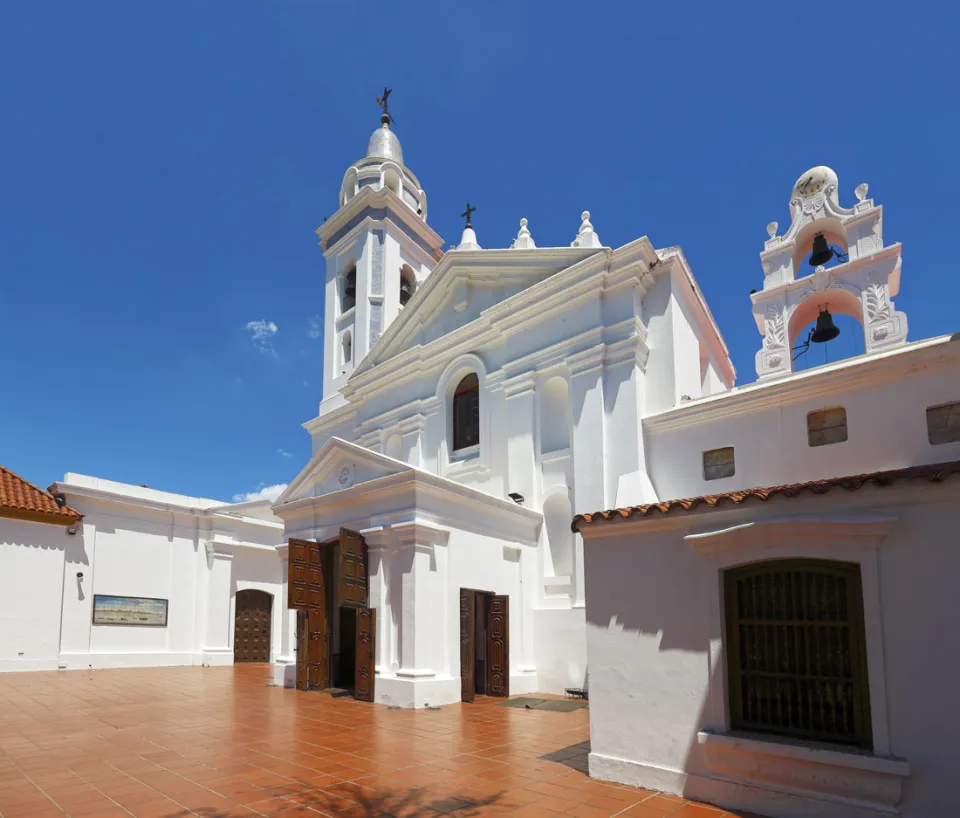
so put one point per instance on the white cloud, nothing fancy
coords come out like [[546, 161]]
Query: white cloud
[[284, 453], [262, 332], [314, 327], [263, 492]]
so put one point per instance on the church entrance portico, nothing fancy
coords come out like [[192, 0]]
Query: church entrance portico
[[336, 630]]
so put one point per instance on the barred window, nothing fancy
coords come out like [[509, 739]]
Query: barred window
[[796, 651], [827, 426], [718, 463], [943, 424]]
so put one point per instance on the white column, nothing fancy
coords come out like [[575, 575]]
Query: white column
[[423, 600], [522, 429], [217, 649], [589, 480], [285, 659], [377, 540]]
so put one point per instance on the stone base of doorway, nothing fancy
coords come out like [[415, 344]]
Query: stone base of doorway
[[774, 799], [558, 705], [434, 691]]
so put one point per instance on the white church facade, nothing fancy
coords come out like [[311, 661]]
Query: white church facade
[[473, 401]]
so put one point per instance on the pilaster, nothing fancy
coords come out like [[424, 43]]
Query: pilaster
[[522, 432], [217, 648]]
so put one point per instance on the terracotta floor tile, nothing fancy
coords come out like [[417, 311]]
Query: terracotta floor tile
[[177, 742]]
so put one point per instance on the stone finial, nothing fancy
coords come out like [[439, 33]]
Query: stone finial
[[861, 191], [587, 236], [468, 241], [772, 229], [523, 241]]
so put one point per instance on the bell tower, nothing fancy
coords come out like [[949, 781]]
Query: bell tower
[[862, 285], [378, 249]]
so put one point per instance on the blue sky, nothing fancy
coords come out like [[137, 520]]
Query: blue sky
[[164, 166]]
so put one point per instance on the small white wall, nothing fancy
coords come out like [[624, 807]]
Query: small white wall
[[31, 579], [657, 667], [886, 427]]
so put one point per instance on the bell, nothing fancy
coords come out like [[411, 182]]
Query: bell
[[406, 292], [825, 330], [821, 251]]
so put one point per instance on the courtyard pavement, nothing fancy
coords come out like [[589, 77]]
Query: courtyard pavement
[[220, 742]]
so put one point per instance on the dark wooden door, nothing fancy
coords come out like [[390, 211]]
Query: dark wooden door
[[303, 678], [317, 648], [297, 574], [252, 622], [468, 651], [498, 646], [353, 570], [366, 655]]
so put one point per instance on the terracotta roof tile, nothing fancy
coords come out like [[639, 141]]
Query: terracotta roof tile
[[21, 499], [936, 473]]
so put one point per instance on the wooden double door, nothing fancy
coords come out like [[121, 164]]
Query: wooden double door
[[253, 620], [484, 644], [336, 628]]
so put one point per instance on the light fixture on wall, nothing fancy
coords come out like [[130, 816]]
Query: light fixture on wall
[[71, 530], [79, 574], [517, 498]]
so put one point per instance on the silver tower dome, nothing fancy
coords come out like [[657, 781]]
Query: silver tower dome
[[384, 144]]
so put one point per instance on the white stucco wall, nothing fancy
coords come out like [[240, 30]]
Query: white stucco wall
[[657, 663], [133, 542], [32, 560]]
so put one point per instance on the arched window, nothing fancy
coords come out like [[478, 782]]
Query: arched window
[[554, 416], [347, 347], [796, 651], [466, 413], [408, 284], [349, 298]]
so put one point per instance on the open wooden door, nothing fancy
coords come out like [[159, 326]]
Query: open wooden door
[[353, 570], [366, 654], [303, 679], [498, 646], [317, 648], [297, 574], [468, 652]]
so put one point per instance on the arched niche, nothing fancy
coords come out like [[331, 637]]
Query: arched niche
[[833, 231], [349, 187], [556, 517], [838, 301], [555, 417], [391, 179], [394, 447], [347, 347]]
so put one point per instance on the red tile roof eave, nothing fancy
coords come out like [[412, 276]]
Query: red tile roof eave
[[936, 473], [20, 499]]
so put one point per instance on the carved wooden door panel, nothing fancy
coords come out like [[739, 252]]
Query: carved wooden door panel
[[317, 648], [353, 570], [297, 574], [252, 623], [468, 653], [366, 655], [303, 678], [498, 646], [316, 589]]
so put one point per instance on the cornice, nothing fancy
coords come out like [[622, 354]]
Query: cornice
[[51, 518], [803, 532], [851, 373], [420, 534]]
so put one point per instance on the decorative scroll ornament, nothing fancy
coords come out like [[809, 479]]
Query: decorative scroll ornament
[[775, 334], [878, 307]]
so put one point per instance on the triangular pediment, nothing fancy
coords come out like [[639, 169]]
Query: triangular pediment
[[462, 288], [339, 465]]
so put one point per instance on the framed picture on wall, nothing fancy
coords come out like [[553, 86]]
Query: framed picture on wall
[[129, 610]]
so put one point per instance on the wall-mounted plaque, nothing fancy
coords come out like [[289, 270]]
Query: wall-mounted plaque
[[129, 610]]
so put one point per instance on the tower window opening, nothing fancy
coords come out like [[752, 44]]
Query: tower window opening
[[408, 284], [349, 298], [347, 347]]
